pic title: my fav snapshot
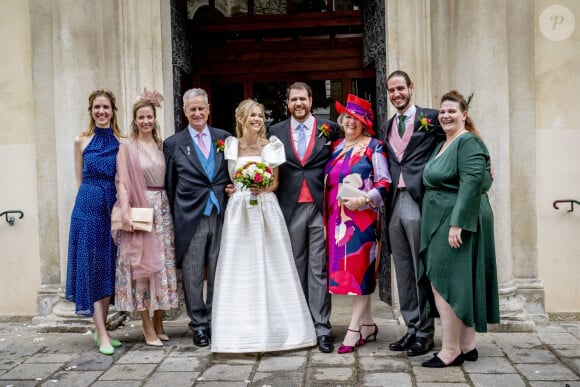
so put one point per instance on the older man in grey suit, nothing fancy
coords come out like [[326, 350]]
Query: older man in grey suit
[[412, 134], [301, 196], [195, 182]]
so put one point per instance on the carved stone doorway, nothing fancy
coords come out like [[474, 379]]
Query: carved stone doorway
[[256, 48]]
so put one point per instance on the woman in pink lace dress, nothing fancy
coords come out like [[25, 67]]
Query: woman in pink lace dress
[[146, 279]]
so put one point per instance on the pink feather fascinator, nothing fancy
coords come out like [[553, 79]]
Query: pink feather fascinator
[[153, 97]]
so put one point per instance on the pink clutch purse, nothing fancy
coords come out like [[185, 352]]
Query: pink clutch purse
[[142, 219]]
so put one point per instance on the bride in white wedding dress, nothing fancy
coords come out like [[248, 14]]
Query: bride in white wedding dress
[[258, 303]]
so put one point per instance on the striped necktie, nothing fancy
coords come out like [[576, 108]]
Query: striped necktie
[[202, 146]]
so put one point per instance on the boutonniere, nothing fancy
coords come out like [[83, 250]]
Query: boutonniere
[[324, 130], [219, 145], [424, 122]]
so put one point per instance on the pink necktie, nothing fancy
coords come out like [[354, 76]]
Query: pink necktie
[[202, 146]]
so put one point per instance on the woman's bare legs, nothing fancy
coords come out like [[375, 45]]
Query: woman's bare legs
[[158, 324], [359, 308], [450, 330], [368, 323], [467, 340], [100, 319]]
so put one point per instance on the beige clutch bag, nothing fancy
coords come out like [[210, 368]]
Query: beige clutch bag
[[142, 219]]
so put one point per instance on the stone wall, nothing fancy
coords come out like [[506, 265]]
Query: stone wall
[[523, 73], [19, 247], [79, 46], [557, 89]]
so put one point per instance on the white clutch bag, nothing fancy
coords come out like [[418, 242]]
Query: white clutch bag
[[349, 187], [142, 219]]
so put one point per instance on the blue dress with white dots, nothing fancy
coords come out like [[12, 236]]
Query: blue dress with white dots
[[91, 251]]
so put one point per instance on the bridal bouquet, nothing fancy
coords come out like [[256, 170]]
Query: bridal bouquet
[[254, 174]]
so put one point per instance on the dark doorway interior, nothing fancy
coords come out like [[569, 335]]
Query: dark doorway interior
[[257, 48]]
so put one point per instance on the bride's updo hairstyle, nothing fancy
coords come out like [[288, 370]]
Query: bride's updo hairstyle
[[455, 96], [243, 112]]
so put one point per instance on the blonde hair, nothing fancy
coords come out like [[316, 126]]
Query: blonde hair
[[111, 97], [243, 112], [135, 129]]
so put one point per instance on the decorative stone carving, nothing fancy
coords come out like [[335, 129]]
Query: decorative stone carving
[[374, 51], [182, 56]]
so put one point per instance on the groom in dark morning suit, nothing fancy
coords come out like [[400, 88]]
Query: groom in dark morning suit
[[195, 180], [409, 146], [301, 197]]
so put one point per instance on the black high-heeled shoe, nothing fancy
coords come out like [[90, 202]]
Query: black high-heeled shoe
[[365, 340]]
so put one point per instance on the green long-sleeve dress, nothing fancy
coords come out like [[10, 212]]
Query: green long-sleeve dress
[[456, 184]]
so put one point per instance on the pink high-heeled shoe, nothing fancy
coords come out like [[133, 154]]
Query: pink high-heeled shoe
[[347, 348], [368, 338]]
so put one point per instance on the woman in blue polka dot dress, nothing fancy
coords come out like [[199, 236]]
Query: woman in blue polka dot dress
[[90, 281]]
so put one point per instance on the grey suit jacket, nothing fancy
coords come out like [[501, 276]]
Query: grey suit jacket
[[188, 186], [292, 172]]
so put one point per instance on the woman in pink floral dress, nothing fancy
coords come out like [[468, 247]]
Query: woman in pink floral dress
[[146, 279]]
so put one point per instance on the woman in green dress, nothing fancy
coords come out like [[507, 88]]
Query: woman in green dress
[[457, 242]]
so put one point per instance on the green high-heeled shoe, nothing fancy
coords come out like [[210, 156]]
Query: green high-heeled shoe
[[114, 342]]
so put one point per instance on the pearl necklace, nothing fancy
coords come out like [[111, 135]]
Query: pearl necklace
[[352, 144], [244, 144]]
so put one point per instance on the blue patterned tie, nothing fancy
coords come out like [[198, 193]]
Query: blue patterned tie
[[301, 141]]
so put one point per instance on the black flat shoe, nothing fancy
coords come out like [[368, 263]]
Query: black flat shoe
[[472, 355], [404, 343], [325, 344], [421, 346], [436, 362], [200, 337]]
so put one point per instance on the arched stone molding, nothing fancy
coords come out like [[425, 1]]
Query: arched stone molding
[[225, 7]]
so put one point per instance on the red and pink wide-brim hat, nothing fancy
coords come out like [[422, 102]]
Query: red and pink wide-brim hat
[[358, 108]]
